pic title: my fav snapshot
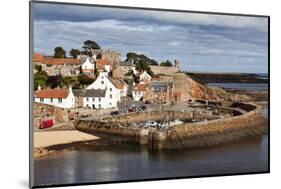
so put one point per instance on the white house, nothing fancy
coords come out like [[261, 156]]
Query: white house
[[144, 76], [88, 67], [139, 91], [120, 85], [61, 98], [112, 93], [96, 99]]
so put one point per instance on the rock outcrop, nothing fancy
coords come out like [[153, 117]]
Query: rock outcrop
[[189, 88]]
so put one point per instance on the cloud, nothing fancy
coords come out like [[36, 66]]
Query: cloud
[[91, 13], [200, 42]]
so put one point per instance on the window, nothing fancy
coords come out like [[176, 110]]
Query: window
[[99, 106], [110, 103], [102, 82], [60, 100], [99, 99], [51, 99], [102, 77], [110, 96], [93, 99], [87, 99], [49, 65], [41, 99], [110, 89]]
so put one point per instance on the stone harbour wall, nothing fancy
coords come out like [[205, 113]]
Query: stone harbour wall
[[192, 135], [187, 135]]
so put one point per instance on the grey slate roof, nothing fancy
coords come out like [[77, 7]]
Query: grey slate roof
[[94, 93], [89, 92], [78, 92], [160, 86]]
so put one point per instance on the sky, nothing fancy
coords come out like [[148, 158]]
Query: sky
[[201, 42]]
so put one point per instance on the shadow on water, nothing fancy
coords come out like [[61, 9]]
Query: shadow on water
[[126, 162]]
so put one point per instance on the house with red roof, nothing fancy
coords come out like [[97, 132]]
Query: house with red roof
[[103, 65], [88, 67], [58, 97], [139, 91]]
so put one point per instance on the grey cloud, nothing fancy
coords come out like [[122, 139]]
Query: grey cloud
[[194, 46]]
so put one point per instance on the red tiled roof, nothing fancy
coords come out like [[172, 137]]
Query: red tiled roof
[[37, 57], [60, 61], [100, 63], [52, 93], [140, 87]]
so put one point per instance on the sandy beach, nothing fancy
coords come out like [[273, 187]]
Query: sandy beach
[[42, 140]]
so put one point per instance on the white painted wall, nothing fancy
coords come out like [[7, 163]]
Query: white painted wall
[[137, 95], [87, 65], [68, 102], [145, 76], [99, 102], [112, 95]]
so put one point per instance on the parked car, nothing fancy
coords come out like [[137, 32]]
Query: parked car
[[46, 124], [114, 113], [131, 110], [143, 107]]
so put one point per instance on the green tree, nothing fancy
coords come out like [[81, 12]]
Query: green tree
[[167, 63], [131, 56], [142, 65], [38, 68], [40, 78], [74, 53], [89, 45], [59, 53], [84, 79], [69, 80]]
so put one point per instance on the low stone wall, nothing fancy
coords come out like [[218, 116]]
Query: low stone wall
[[44, 111], [164, 70], [187, 135], [137, 117], [215, 131], [113, 130]]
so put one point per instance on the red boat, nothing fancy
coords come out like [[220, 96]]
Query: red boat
[[46, 124]]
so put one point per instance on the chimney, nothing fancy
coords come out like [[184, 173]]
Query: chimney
[[70, 88]]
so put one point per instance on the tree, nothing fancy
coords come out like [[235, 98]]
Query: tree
[[59, 53], [74, 53], [55, 81], [89, 46], [141, 65], [85, 80], [167, 63], [69, 80], [40, 78], [38, 68], [131, 56]]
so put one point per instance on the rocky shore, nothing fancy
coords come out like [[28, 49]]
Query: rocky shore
[[226, 77]]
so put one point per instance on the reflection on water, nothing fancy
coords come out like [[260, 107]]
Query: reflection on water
[[130, 162]]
